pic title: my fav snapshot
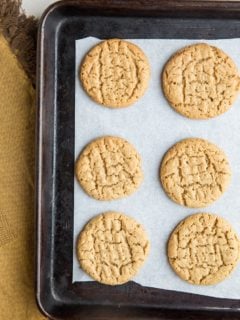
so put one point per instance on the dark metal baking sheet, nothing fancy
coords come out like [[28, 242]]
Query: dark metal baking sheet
[[60, 26]]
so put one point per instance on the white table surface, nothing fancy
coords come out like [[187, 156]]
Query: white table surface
[[35, 7]]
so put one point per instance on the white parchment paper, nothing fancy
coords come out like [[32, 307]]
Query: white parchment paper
[[152, 126]]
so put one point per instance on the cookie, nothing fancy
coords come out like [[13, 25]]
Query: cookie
[[112, 247], [195, 172], [109, 168], [115, 73], [203, 249], [200, 81]]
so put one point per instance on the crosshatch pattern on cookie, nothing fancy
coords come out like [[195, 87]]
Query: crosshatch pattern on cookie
[[109, 168], [195, 172], [112, 247], [115, 73], [200, 81], [203, 249]]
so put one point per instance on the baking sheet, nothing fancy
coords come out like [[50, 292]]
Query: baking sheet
[[153, 126]]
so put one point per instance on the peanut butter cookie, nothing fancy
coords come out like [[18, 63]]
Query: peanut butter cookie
[[109, 168], [112, 247], [200, 81], [203, 249], [115, 73], [195, 172]]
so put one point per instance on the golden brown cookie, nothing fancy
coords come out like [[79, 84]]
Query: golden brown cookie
[[112, 247], [115, 73], [195, 172], [200, 81], [203, 249], [109, 168]]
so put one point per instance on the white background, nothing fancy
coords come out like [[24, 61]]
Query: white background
[[35, 7]]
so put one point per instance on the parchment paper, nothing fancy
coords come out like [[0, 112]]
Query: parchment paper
[[152, 126]]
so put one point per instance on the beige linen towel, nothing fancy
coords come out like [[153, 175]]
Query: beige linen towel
[[17, 137]]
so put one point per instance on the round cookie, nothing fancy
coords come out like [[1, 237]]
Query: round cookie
[[109, 168], [112, 247], [203, 249], [200, 81], [115, 73], [195, 172]]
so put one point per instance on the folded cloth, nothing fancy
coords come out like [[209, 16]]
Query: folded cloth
[[17, 136]]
